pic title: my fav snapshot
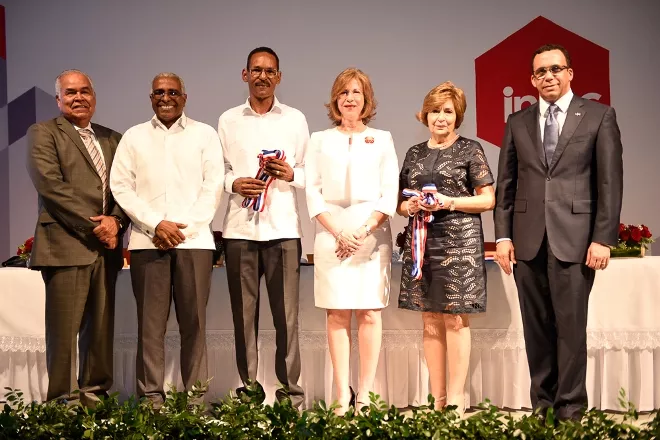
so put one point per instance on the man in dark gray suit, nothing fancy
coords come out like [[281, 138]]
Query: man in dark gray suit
[[558, 201], [77, 241]]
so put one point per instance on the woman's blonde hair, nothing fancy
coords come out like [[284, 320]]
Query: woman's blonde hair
[[340, 84], [438, 96]]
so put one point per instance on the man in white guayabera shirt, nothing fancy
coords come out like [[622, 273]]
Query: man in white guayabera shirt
[[168, 177], [262, 228]]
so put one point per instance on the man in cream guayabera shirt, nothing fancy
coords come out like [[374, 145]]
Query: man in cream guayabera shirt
[[168, 176], [263, 239]]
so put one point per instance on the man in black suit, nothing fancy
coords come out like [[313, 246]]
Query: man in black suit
[[558, 201]]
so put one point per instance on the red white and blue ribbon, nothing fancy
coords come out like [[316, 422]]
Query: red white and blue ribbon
[[419, 227], [259, 203]]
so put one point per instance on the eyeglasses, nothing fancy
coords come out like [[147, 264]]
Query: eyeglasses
[[542, 71], [257, 71], [159, 93]]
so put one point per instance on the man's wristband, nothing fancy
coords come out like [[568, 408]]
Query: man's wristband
[[120, 225]]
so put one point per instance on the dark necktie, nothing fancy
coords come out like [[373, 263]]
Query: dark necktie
[[550, 133], [87, 138]]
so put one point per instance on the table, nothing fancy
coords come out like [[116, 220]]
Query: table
[[623, 341]]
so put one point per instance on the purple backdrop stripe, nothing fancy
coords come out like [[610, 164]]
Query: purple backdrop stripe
[[3, 36], [4, 205], [3, 82], [22, 113]]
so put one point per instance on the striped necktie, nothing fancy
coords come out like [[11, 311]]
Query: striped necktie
[[87, 136]]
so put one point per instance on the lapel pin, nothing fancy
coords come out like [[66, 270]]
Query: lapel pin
[[578, 114], [369, 140]]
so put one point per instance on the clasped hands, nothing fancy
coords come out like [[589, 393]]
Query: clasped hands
[[107, 230], [348, 243], [168, 235], [250, 188]]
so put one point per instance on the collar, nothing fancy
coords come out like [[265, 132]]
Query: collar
[[89, 127], [181, 122], [247, 109], [562, 103]]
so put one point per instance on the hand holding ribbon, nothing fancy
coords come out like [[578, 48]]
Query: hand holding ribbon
[[258, 203], [427, 200]]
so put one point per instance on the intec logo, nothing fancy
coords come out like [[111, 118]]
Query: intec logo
[[503, 74]]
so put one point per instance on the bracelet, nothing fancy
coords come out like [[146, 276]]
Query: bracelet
[[119, 223], [366, 228], [408, 210]]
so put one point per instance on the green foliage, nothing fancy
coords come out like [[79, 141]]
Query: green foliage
[[185, 416]]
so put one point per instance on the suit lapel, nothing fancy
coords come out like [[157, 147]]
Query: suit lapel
[[574, 116], [105, 145], [532, 123], [67, 128]]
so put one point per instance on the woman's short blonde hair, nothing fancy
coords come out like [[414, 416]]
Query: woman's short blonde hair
[[340, 84], [440, 94]]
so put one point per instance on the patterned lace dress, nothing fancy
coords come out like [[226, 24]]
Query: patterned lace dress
[[453, 275]]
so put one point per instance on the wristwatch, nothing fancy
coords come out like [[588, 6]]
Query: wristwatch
[[366, 228], [116, 217], [452, 205]]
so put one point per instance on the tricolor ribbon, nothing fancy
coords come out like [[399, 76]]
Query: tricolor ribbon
[[419, 227], [258, 203]]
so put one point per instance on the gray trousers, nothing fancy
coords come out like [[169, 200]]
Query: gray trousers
[[279, 262], [158, 277], [80, 304]]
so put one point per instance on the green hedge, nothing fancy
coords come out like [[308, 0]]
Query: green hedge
[[244, 418]]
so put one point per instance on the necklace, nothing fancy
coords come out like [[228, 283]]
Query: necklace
[[444, 144]]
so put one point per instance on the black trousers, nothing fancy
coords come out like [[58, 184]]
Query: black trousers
[[279, 262], [158, 277], [554, 297]]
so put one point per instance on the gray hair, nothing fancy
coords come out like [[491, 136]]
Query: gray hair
[[58, 80], [169, 75]]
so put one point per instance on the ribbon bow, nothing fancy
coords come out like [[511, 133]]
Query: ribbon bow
[[419, 227], [259, 203]]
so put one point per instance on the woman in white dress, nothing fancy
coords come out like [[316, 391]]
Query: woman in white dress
[[352, 189]]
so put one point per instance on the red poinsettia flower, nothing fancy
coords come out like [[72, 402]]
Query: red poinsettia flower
[[635, 234], [645, 232], [28, 244], [624, 235]]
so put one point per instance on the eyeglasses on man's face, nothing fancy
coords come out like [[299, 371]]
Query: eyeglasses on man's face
[[542, 71], [159, 93], [257, 71]]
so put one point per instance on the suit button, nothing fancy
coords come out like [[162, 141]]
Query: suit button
[[98, 187], [548, 178]]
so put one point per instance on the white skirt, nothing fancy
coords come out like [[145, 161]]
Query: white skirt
[[361, 281]]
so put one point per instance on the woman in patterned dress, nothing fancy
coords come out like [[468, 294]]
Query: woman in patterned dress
[[451, 282], [351, 185]]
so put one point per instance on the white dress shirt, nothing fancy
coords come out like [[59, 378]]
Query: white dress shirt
[[173, 174], [94, 140], [562, 103], [244, 133]]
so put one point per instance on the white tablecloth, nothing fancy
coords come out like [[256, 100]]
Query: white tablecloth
[[623, 340]]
